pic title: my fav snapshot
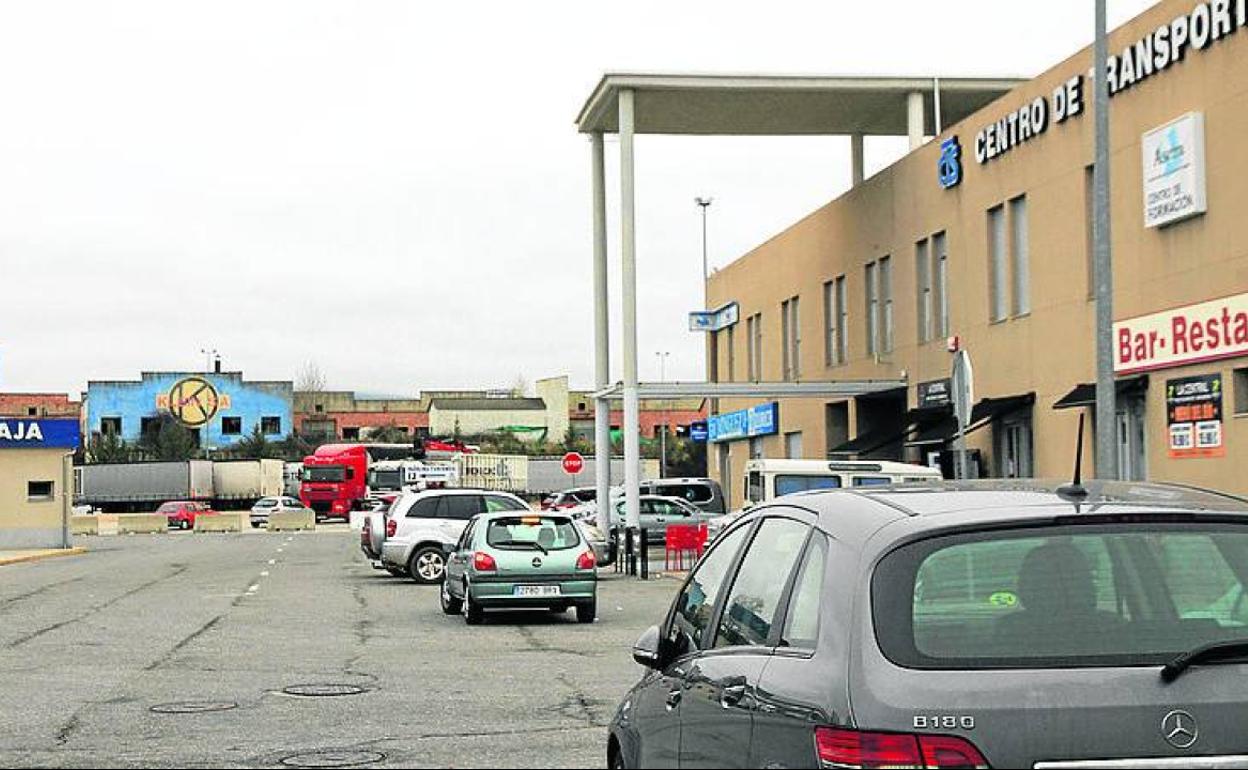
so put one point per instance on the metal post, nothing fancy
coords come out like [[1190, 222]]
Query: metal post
[[628, 252], [1106, 398], [602, 339], [663, 426], [914, 119]]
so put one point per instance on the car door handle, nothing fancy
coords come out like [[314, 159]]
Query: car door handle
[[673, 698]]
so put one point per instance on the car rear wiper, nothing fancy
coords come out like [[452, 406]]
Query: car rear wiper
[[535, 544], [1206, 653]]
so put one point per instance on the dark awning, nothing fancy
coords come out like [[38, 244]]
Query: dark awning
[[936, 431], [991, 409], [1084, 393], [870, 441]]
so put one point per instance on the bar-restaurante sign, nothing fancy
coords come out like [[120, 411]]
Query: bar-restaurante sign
[[1187, 335]]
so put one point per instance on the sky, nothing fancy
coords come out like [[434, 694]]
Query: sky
[[396, 191]]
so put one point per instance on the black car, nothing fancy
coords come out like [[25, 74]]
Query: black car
[[992, 624]]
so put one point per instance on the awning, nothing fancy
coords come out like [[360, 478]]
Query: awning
[[991, 409], [1084, 394], [870, 441], [933, 431]]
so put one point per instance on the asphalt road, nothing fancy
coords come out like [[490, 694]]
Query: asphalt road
[[94, 649]]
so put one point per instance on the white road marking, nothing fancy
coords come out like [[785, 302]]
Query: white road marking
[[272, 561], [264, 574], [251, 589]]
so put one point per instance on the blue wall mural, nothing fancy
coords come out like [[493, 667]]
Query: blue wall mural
[[222, 407]]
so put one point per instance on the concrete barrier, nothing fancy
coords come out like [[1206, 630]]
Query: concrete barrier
[[141, 523], [231, 521], [84, 525], [285, 521], [106, 523]]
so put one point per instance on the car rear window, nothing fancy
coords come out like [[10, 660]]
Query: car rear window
[[552, 533], [1088, 595], [788, 484], [694, 493]]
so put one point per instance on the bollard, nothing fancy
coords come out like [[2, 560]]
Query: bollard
[[643, 546]]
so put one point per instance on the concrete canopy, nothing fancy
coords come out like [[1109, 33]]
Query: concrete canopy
[[782, 105]]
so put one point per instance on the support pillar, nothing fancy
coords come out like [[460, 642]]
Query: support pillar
[[602, 338], [914, 119], [855, 158], [628, 253]]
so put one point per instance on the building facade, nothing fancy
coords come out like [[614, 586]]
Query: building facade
[[219, 408], [39, 405], [980, 239], [36, 480], [343, 415]]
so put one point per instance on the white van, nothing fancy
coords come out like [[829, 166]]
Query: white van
[[766, 480]]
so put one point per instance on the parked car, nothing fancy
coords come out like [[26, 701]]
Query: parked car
[[421, 528], [658, 512], [181, 514], [992, 624], [569, 498], [266, 505], [706, 494], [521, 560]]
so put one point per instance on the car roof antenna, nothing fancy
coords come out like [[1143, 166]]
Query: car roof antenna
[[1076, 489]]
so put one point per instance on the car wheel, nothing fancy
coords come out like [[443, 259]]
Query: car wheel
[[473, 614], [450, 605], [585, 613], [255, 525], [427, 565]]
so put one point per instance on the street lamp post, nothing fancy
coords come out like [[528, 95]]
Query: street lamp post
[[704, 204], [663, 427], [1106, 397]]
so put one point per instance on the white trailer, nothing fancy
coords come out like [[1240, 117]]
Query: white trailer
[[142, 486], [240, 483]]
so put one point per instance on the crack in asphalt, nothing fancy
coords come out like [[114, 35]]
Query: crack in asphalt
[[42, 589], [536, 644], [93, 610], [68, 729], [582, 706]]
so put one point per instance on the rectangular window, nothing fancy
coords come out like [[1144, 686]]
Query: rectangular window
[[872, 308], [754, 346], [793, 445], [32, 411], [231, 426], [351, 434], [940, 260], [1089, 200], [795, 329], [148, 425], [842, 325], [886, 298], [786, 360], [829, 323], [1240, 377], [732, 353], [110, 426], [923, 289], [271, 425], [39, 491], [836, 425], [790, 339], [998, 307], [1021, 255]]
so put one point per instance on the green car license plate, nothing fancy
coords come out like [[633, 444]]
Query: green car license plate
[[535, 591]]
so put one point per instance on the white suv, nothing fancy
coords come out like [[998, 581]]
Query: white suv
[[421, 528]]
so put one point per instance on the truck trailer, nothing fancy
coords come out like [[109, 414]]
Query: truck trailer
[[238, 484], [126, 487]]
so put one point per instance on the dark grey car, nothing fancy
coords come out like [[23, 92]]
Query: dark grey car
[[995, 624]]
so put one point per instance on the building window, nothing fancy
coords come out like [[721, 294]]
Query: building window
[[39, 491], [351, 434], [836, 425], [1012, 436], [1089, 205], [32, 411], [580, 406], [790, 339], [872, 307], [732, 353], [997, 264], [834, 315], [270, 426], [754, 346], [231, 426], [793, 445], [1241, 391], [886, 296], [842, 326], [940, 261], [1021, 255], [923, 289], [110, 426], [320, 408]]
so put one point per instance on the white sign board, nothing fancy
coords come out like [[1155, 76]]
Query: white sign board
[[714, 320], [1174, 170], [1182, 336]]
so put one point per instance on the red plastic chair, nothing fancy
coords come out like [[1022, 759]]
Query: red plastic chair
[[679, 540]]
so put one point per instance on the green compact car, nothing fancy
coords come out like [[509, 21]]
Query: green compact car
[[521, 560]]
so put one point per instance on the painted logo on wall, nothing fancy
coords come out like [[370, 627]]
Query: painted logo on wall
[[193, 401]]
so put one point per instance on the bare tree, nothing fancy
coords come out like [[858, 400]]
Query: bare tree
[[520, 386], [310, 379]]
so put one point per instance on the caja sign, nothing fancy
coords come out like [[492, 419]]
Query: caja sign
[[39, 434]]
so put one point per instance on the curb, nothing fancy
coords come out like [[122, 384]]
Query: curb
[[41, 555]]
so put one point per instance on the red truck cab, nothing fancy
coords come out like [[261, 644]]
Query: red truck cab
[[335, 480]]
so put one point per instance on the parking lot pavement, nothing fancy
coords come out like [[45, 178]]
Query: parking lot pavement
[[96, 650]]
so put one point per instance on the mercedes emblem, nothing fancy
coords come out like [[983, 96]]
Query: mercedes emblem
[[1179, 729]]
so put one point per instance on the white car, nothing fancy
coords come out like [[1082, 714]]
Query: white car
[[266, 505], [421, 528]]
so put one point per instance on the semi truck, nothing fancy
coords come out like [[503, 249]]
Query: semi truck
[[335, 480], [238, 484], [127, 487]]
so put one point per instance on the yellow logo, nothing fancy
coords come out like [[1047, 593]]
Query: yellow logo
[[193, 401]]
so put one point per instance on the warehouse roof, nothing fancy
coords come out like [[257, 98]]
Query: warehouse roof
[[489, 404]]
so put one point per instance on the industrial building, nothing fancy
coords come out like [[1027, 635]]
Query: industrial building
[[980, 239]]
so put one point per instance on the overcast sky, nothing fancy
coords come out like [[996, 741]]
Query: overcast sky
[[396, 190]]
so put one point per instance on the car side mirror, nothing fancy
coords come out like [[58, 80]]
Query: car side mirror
[[647, 650]]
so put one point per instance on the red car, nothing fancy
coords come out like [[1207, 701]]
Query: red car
[[181, 513]]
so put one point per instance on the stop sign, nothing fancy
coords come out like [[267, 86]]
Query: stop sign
[[573, 463]]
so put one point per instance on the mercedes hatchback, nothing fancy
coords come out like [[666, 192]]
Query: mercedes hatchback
[[521, 561], [996, 624]]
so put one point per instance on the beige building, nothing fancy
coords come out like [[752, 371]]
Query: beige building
[[992, 247], [36, 481]]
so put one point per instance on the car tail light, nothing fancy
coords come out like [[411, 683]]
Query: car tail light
[[483, 562], [839, 747], [392, 527], [586, 560]]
